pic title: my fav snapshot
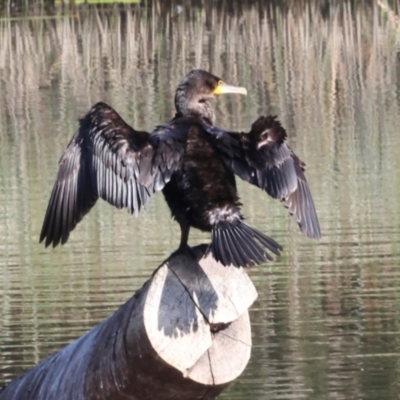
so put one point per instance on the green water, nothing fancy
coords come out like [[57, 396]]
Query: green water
[[326, 324]]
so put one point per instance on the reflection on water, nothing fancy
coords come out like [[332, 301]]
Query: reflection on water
[[327, 321]]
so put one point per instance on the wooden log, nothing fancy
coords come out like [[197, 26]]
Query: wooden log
[[184, 335]]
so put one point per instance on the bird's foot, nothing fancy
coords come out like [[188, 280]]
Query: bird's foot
[[196, 252], [186, 250]]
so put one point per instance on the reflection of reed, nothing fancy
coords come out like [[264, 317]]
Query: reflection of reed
[[330, 73]]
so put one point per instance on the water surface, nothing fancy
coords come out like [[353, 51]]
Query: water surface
[[326, 324]]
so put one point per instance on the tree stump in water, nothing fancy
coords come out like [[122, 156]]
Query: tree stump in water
[[184, 335]]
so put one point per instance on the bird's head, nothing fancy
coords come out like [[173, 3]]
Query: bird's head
[[196, 88]]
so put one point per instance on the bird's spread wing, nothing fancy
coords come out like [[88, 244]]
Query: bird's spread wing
[[262, 158], [106, 158]]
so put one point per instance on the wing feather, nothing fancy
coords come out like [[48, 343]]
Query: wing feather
[[107, 158], [262, 158]]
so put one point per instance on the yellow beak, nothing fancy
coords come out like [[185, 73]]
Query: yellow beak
[[223, 88]]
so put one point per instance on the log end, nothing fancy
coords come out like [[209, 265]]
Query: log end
[[196, 317]]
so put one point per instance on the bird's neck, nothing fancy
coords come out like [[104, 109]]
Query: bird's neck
[[193, 107]]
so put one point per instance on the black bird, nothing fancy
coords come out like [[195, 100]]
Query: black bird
[[192, 162]]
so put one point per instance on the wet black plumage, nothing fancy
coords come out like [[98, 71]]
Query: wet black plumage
[[192, 162]]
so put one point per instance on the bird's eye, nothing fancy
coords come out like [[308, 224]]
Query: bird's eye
[[220, 83]]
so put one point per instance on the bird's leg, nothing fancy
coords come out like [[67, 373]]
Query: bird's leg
[[184, 247], [185, 228]]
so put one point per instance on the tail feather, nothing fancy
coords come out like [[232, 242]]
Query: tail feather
[[236, 254], [241, 245], [265, 240], [227, 245], [252, 249], [223, 246]]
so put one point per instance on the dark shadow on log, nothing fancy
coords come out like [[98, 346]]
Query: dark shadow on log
[[184, 335], [190, 278]]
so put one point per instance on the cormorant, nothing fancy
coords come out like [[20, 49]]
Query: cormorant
[[192, 162]]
